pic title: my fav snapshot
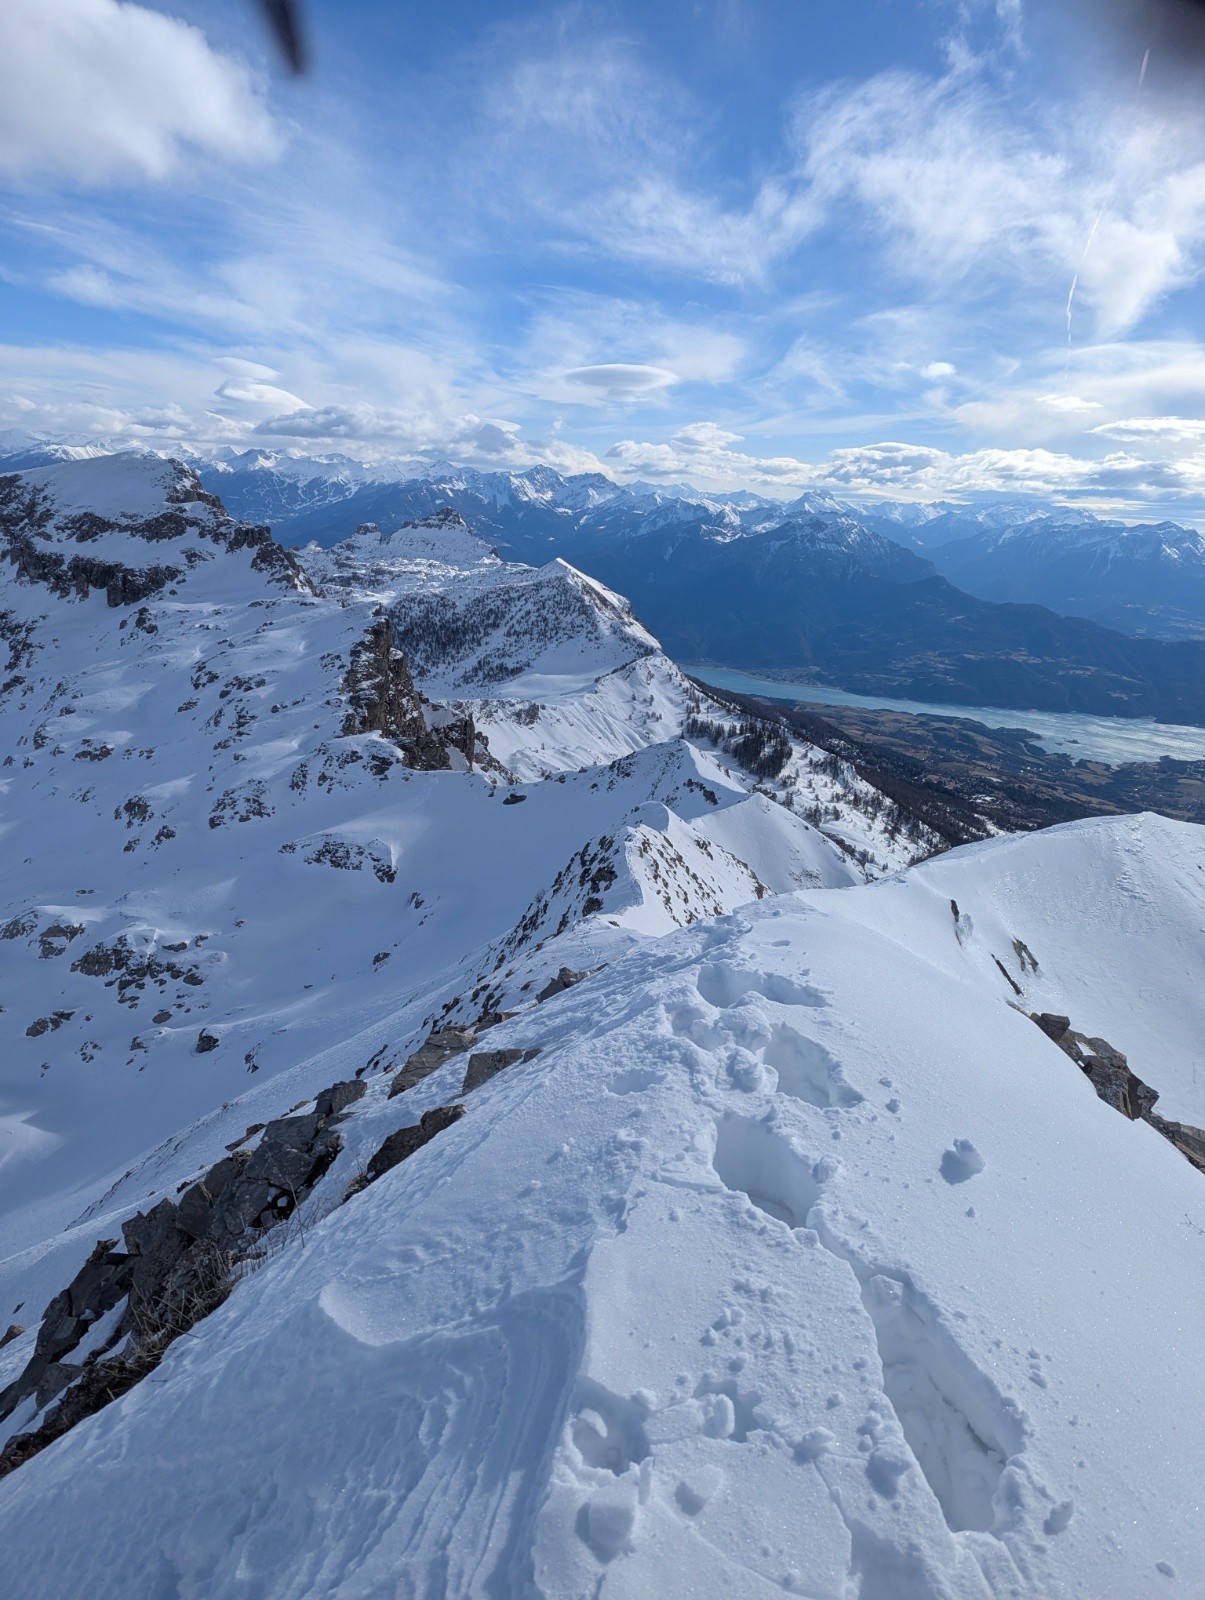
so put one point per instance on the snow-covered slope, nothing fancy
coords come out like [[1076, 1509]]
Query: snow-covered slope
[[222, 861], [743, 1234], [795, 1261]]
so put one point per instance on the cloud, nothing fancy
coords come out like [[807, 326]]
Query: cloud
[[373, 434], [106, 91], [251, 392], [1174, 430], [621, 380], [701, 454], [1068, 402]]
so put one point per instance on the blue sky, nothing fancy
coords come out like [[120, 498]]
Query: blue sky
[[762, 243]]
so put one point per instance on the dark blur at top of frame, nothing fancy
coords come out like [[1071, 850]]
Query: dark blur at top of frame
[[1173, 31], [285, 19]]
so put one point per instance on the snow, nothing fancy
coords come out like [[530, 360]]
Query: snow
[[127, 485], [133, 755], [796, 1260], [650, 1321]]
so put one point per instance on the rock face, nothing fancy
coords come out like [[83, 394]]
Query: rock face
[[385, 701], [440, 1045], [1109, 1073], [402, 1144], [566, 978], [176, 1266], [486, 1064]]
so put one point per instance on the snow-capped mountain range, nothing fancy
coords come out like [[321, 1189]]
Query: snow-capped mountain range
[[480, 1119]]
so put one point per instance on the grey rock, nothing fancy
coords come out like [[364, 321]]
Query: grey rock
[[156, 1243], [440, 1045], [486, 1064], [1054, 1027], [402, 1144], [60, 1331], [334, 1101], [206, 1041], [195, 1210], [100, 1282], [566, 978]]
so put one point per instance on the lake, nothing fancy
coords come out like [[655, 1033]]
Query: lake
[[1112, 740]]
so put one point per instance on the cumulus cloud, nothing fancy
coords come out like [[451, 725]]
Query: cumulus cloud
[[372, 433], [702, 454], [104, 91]]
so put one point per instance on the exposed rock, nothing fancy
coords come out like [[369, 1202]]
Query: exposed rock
[[1113, 1081], [252, 1129], [195, 1210], [385, 701], [14, 1331], [48, 1024], [402, 1144], [155, 1243], [492, 1019], [335, 1100], [566, 978], [486, 1064], [97, 1287], [1108, 1071], [176, 1267], [55, 939], [1189, 1141], [206, 1041], [1053, 1026], [440, 1045]]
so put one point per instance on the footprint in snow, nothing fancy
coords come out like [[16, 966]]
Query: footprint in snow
[[961, 1162]]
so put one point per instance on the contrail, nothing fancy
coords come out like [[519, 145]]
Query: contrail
[[1075, 279], [1146, 61]]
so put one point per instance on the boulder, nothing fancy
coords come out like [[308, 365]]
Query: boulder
[[440, 1045], [402, 1144], [195, 1210], [156, 1244], [566, 978], [486, 1064], [1054, 1027], [334, 1101]]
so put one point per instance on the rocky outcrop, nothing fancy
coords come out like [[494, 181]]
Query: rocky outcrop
[[566, 978], [1189, 1141], [384, 700], [401, 1145], [487, 1064], [33, 537], [440, 1045], [1108, 1070], [176, 1264]]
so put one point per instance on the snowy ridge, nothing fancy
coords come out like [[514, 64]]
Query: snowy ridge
[[742, 1236], [768, 1273], [206, 849]]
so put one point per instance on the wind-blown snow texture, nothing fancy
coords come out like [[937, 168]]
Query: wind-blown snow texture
[[797, 1260]]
